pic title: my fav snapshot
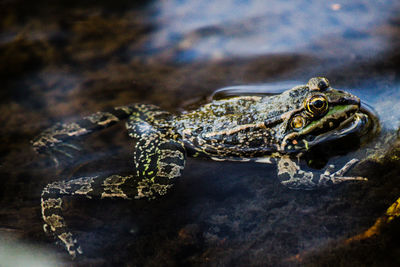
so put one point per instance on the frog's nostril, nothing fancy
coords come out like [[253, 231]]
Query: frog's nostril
[[350, 101]]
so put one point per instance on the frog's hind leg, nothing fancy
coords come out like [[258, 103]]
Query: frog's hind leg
[[55, 140], [158, 164], [158, 160], [96, 187]]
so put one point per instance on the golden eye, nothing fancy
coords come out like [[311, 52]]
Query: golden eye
[[298, 122], [317, 105]]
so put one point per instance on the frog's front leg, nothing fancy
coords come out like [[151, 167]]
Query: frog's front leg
[[291, 175]]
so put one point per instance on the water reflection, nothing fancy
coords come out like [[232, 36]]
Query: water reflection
[[14, 253], [385, 99], [232, 28]]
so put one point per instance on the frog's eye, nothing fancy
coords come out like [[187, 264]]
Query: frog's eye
[[317, 105], [323, 84], [318, 84], [298, 122]]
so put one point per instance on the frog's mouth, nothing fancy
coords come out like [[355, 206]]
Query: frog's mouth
[[340, 121]]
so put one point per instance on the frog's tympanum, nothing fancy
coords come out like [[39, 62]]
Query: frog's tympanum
[[277, 129]]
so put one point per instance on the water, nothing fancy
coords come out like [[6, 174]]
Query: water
[[231, 28], [62, 60]]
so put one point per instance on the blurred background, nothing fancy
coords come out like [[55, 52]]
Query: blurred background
[[61, 60]]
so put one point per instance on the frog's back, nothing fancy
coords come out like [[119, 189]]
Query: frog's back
[[228, 114], [219, 115], [234, 126]]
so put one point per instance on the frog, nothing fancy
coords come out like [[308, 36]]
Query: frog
[[275, 129]]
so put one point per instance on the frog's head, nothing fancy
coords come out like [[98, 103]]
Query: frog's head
[[322, 114]]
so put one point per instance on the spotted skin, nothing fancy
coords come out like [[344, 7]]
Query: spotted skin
[[292, 176], [276, 129], [158, 160]]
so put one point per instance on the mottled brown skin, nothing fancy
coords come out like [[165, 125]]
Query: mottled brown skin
[[265, 129]]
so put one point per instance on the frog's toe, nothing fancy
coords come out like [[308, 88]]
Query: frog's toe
[[338, 180], [57, 156], [329, 170], [338, 177], [71, 146], [55, 161], [70, 243], [346, 167], [65, 149], [46, 229], [61, 152], [75, 251]]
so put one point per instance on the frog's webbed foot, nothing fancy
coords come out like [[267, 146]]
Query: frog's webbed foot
[[56, 141], [62, 151], [290, 175], [337, 177]]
